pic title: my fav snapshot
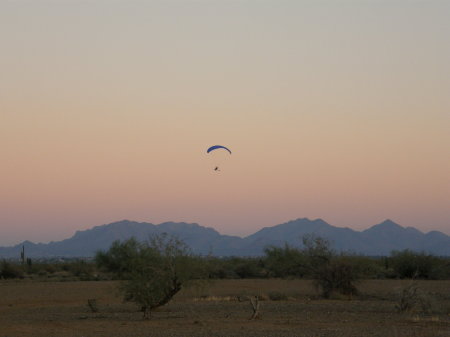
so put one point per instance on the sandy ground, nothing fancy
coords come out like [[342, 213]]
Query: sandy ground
[[31, 308]]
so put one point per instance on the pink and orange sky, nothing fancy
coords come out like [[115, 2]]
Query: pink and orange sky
[[337, 110]]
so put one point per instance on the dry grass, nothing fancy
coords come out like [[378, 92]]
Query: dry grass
[[213, 309]]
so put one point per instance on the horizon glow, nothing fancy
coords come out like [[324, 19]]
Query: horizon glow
[[336, 110]]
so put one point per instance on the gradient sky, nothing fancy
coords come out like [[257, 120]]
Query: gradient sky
[[337, 110]]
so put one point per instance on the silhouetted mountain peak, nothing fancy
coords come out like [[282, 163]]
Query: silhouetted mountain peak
[[293, 230], [380, 239], [174, 225], [303, 222], [385, 226], [121, 223], [389, 223]]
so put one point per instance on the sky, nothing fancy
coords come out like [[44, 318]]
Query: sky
[[338, 110]]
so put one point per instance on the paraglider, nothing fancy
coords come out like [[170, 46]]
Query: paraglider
[[215, 147], [218, 147]]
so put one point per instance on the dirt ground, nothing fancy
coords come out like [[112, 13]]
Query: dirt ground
[[221, 308]]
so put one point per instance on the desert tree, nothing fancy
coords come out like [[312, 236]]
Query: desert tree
[[316, 259], [285, 261], [330, 271], [121, 257], [154, 270]]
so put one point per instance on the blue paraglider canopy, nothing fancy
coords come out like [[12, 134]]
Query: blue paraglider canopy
[[215, 147]]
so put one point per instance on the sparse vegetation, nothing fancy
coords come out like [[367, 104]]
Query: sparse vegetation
[[408, 264], [92, 304], [413, 298], [10, 270], [48, 270], [330, 272], [61, 309], [285, 261], [277, 262], [336, 275], [154, 271]]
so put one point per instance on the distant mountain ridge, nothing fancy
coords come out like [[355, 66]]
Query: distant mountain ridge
[[379, 239]]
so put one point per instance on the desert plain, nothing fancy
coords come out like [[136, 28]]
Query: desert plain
[[222, 308]]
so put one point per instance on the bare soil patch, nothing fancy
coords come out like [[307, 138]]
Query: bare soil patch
[[221, 308]]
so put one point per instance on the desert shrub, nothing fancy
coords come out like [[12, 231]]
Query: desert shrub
[[330, 272], [155, 270], [49, 268], [317, 249], [92, 304], [408, 298], [337, 275], [234, 267], [367, 267], [412, 298], [440, 269], [408, 264], [248, 268], [82, 269], [10, 270], [318, 261], [43, 268], [217, 268], [285, 261]]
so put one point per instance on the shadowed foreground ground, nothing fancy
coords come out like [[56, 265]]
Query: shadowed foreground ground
[[30, 308]]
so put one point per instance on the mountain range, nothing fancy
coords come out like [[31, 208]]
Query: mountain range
[[378, 240]]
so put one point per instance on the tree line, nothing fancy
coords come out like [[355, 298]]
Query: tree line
[[277, 262]]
